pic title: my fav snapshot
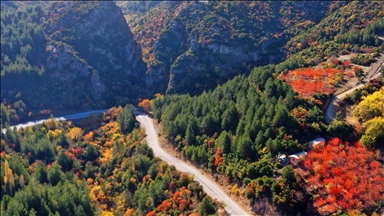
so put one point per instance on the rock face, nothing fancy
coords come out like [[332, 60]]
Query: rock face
[[63, 64], [198, 49], [92, 40], [191, 46], [214, 61]]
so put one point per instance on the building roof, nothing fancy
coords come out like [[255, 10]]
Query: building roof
[[282, 159], [317, 141], [298, 155]]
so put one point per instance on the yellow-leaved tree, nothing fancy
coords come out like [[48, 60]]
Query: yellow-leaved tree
[[374, 132], [9, 179], [371, 106], [370, 111], [75, 133], [21, 180]]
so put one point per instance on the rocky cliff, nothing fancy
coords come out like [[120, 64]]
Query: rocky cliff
[[68, 55], [95, 42], [190, 47]]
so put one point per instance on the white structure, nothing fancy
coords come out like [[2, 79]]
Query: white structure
[[298, 157], [282, 159], [316, 142]]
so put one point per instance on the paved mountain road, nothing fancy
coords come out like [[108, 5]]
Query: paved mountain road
[[210, 187], [373, 73], [66, 117]]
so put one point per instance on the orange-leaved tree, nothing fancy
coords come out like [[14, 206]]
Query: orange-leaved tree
[[146, 105], [164, 206], [218, 158]]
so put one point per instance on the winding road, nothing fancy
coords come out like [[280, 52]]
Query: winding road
[[373, 73], [209, 186], [66, 117]]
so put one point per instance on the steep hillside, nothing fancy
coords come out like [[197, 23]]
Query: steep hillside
[[192, 46], [67, 55], [66, 169], [353, 28], [98, 34], [245, 130], [134, 8]]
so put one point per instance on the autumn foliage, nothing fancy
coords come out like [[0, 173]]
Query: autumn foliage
[[343, 176], [164, 206], [218, 158], [117, 170], [146, 105], [307, 81]]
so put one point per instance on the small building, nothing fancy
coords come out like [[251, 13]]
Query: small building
[[316, 142], [282, 159], [297, 157]]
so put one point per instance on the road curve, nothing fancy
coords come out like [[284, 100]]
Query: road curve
[[210, 187], [66, 117], [373, 73]]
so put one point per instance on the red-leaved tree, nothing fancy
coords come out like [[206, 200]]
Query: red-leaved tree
[[343, 176]]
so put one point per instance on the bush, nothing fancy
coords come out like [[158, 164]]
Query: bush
[[365, 60]]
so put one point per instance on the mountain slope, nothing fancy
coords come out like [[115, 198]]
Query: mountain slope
[[99, 34], [192, 46], [71, 55], [93, 168]]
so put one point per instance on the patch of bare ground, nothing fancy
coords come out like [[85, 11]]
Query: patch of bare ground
[[349, 117], [220, 179], [346, 111], [348, 81]]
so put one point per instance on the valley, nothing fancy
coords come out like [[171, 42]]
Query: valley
[[192, 108]]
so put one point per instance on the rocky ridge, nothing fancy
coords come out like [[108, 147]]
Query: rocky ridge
[[92, 40]]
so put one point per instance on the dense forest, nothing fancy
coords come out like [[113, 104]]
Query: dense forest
[[215, 41], [240, 128], [53, 47], [239, 89], [98, 166], [48, 47], [21, 38]]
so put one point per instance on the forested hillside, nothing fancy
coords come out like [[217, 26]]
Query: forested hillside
[[66, 56], [240, 89], [192, 46], [352, 27], [81, 55], [239, 129], [100, 166]]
